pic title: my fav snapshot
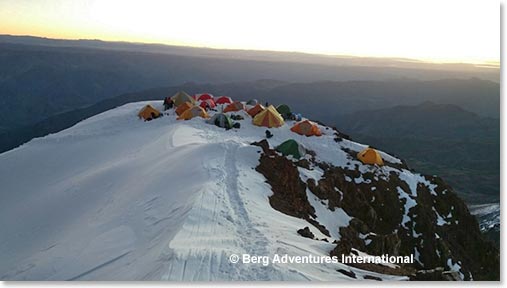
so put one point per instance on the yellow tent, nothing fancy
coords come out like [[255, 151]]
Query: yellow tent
[[269, 117], [193, 112], [148, 112], [183, 107], [182, 97], [370, 156]]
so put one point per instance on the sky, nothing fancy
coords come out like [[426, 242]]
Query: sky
[[437, 31]]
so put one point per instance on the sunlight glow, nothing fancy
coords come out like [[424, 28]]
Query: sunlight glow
[[442, 31]]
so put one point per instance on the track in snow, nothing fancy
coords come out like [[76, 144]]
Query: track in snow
[[253, 241]]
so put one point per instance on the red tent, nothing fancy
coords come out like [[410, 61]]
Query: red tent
[[223, 100], [204, 96], [209, 102]]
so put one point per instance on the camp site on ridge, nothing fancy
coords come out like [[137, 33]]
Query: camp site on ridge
[[215, 109]]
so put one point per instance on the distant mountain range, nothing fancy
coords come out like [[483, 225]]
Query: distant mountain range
[[47, 85], [486, 71], [42, 77]]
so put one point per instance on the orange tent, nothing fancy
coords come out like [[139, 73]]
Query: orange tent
[[268, 118], [258, 108], [148, 112], [370, 156], [183, 107], [306, 128], [193, 112], [236, 106]]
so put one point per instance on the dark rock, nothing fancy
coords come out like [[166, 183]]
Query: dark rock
[[347, 273], [305, 232], [369, 277], [289, 192], [304, 163], [263, 144]]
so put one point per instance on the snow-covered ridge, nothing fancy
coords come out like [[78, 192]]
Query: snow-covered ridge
[[117, 198]]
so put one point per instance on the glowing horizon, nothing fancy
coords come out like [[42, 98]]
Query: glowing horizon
[[450, 32]]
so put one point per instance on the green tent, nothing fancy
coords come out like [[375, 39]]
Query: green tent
[[182, 97], [221, 120], [284, 110], [291, 147]]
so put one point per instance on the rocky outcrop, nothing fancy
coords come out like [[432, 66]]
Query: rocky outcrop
[[289, 192], [438, 229], [305, 232]]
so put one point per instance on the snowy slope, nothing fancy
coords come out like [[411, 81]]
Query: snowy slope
[[116, 198]]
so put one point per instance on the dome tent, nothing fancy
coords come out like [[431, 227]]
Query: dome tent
[[221, 120], [291, 147], [223, 100], [207, 102], [306, 128], [236, 106], [255, 110], [370, 156], [204, 96], [183, 107], [193, 112], [182, 97], [269, 117], [284, 110], [148, 113]]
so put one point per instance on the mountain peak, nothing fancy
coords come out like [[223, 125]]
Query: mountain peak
[[114, 197]]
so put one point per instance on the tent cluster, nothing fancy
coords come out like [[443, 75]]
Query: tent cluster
[[188, 107]]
